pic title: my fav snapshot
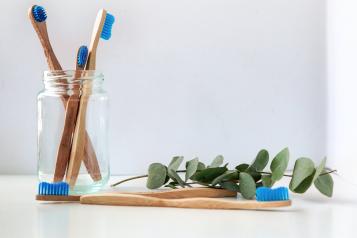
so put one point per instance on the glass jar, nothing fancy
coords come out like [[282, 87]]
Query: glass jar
[[72, 130]]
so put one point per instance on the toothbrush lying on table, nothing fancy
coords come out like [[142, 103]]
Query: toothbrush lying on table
[[102, 29], [37, 15], [202, 198]]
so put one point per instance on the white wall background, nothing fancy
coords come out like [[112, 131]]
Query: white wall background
[[342, 86], [192, 78]]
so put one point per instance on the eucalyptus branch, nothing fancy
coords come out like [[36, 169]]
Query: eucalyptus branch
[[184, 171], [244, 178]]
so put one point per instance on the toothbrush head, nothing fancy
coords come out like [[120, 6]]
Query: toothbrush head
[[82, 56], [39, 13], [57, 189], [107, 27], [265, 194]]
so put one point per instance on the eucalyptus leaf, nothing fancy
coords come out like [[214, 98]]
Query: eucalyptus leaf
[[156, 176], [170, 186], [260, 161], [217, 161], [173, 175], [324, 184], [304, 168], [229, 185], [319, 169], [175, 163], [208, 175], [305, 184], [227, 176], [201, 166], [191, 168], [267, 181], [242, 167], [279, 164], [255, 175], [246, 185]]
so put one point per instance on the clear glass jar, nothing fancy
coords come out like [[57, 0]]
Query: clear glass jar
[[72, 130]]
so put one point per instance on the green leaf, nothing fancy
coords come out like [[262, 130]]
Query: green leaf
[[156, 176], [201, 166], [174, 176], [217, 161], [324, 184], [191, 168], [209, 174], [246, 185], [255, 175], [260, 161], [172, 185], [242, 167], [227, 176], [267, 181], [303, 174], [229, 185], [279, 164], [175, 163], [319, 169]]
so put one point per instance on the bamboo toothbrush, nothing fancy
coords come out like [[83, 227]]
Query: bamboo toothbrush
[[119, 199], [59, 192], [38, 16], [69, 125], [102, 29]]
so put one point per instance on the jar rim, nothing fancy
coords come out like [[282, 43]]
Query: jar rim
[[71, 76]]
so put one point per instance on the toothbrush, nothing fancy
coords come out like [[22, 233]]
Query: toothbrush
[[89, 159], [59, 192], [102, 29], [38, 16], [280, 200], [64, 149]]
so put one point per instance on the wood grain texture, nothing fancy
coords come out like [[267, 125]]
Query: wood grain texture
[[54, 198], [79, 139], [63, 151], [199, 203], [187, 193]]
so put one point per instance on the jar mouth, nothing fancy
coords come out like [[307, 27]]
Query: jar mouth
[[71, 76]]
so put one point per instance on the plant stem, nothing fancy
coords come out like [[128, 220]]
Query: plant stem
[[128, 179], [138, 177]]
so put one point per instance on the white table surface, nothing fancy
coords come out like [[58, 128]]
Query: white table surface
[[311, 215]]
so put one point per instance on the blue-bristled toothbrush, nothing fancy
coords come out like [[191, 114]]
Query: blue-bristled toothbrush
[[38, 16], [64, 149], [55, 192], [265, 194], [272, 198], [102, 29]]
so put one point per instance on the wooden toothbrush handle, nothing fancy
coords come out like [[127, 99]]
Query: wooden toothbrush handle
[[64, 150], [201, 203], [187, 192], [79, 139]]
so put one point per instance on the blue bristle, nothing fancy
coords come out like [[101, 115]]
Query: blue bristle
[[39, 13], [82, 56], [60, 189], [265, 194], [107, 27]]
